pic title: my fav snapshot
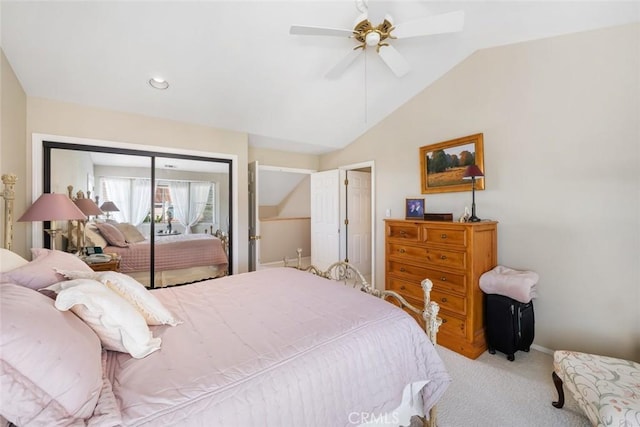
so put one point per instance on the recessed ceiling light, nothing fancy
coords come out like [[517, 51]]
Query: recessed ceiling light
[[159, 83]]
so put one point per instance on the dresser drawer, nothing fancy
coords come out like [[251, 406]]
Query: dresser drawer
[[410, 272], [448, 282], [446, 258], [450, 302], [452, 325], [398, 250], [406, 231], [444, 236], [411, 291]]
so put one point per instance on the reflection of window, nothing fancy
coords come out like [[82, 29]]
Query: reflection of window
[[209, 212], [187, 202]]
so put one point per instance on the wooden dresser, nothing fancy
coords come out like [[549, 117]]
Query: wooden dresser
[[453, 256]]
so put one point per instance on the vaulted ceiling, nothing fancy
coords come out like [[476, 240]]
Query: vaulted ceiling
[[234, 65]]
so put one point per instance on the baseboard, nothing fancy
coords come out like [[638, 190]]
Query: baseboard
[[542, 349]]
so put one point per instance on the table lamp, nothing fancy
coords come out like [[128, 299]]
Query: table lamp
[[473, 172], [88, 207], [52, 207], [109, 207]]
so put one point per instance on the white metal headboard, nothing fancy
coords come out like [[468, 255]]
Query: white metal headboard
[[9, 195]]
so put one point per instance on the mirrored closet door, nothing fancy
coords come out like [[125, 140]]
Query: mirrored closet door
[[162, 219]]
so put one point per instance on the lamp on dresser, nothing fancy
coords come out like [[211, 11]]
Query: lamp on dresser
[[52, 207], [473, 172]]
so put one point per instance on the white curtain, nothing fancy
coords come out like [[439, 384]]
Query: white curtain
[[199, 195], [189, 200], [140, 200], [119, 192], [180, 201]]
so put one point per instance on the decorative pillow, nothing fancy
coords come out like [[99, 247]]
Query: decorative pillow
[[130, 232], [133, 291], [10, 260], [40, 272], [112, 234], [93, 236], [116, 321], [50, 361]]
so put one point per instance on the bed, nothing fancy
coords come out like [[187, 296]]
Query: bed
[[276, 347], [178, 258]]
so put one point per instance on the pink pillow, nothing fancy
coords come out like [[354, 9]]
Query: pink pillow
[[50, 361], [112, 234], [40, 272]]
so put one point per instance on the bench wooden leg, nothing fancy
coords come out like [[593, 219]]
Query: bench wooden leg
[[558, 383]]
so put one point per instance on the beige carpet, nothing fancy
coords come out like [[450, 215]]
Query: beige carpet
[[491, 391]]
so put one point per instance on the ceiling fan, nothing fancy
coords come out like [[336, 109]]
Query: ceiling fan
[[378, 36]]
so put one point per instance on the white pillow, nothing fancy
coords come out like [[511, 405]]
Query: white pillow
[[133, 291], [117, 322], [10, 260]]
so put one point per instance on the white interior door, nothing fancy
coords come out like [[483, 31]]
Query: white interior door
[[325, 218], [254, 222], [358, 214]]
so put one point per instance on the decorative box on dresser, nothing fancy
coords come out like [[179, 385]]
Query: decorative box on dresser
[[453, 256]]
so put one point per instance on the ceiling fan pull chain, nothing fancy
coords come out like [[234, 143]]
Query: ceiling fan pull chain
[[366, 92]]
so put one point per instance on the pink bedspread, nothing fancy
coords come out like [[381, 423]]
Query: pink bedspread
[[277, 347], [172, 252]]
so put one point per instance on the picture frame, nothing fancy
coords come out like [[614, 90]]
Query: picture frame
[[414, 208], [442, 165]]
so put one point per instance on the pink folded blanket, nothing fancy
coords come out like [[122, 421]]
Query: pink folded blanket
[[519, 285]]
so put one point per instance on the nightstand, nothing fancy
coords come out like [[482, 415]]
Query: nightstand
[[113, 265]]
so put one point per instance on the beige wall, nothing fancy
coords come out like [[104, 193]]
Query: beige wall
[[560, 119], [72, 120], [281, 238], [13, 131], [298, 202]]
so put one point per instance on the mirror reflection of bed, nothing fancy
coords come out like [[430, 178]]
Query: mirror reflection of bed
[[176, 214]]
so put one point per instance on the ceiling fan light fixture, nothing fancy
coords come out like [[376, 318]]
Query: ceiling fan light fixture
[[372, 38], [158, 83]]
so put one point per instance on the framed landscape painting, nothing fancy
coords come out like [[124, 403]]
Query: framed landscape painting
[[442, 165]]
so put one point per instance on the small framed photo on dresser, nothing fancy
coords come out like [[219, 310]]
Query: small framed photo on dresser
[[414, 209]]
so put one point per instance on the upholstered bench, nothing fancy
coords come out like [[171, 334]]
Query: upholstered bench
[[606, 389]]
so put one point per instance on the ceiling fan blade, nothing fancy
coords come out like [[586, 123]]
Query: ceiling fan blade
[[394, 60], [303, 30], [344, 63], [437, 24]]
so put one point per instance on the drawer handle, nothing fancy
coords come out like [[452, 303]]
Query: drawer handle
[[443, 257], [402, 269], [443, 279], [402, 288], [444, 321], [401, 251], [443, 299], [443, 236], [402, 232]]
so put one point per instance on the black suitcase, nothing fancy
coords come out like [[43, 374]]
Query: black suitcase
[[509, 325]]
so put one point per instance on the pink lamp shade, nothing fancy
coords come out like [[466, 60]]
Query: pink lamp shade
[[109, 207], [472, 171], [52, 207], [88, 207]]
